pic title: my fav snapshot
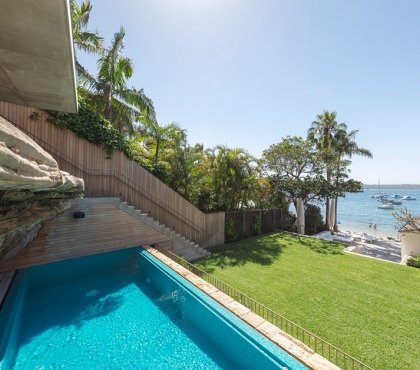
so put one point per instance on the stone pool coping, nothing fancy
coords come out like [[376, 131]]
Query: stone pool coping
[[286, 342]]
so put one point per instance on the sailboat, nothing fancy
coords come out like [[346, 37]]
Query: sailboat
[[379, 195]]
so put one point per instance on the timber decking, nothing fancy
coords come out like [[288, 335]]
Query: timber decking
[[117, 176], [104, 228], [6, 279]]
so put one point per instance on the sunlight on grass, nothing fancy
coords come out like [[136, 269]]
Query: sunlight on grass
[[368, 308]]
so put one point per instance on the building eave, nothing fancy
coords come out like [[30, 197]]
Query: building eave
[[37, 63]]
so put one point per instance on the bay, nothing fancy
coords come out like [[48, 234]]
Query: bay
[[356, 211]]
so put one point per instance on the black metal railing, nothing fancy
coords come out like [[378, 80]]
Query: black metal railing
[[319, 345]]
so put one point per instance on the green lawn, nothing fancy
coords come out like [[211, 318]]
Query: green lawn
[[368, 308]]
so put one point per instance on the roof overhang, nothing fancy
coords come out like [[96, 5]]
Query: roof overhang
[[37, 66]]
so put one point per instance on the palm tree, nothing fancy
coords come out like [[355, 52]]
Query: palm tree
[[84, 40], [321, 134], [109, 92], [346, 145], [155, 136], [234, 177]]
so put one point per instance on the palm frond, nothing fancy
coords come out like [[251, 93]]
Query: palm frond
[[137, 99], [84, 40], [85, 78]]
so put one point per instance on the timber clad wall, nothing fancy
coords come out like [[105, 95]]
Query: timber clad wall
[[117, 177]]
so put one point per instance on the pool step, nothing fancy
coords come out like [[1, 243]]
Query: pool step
[[181, 245]]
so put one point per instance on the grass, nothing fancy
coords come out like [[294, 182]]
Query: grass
[[368, 308]]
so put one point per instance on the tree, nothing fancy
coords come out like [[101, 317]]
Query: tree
[[345, 145], [321, 135], [406, 222], [109, 92], [182, 160], [89, 42], [333, 143], [155, 136], [233, 177], [294, 169]]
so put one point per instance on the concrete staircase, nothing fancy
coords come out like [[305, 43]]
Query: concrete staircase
[[180, 245]]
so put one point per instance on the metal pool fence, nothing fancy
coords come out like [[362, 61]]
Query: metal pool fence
[[320, 346]]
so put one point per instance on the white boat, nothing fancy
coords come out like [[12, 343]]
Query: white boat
[[395, 202], [408, 197], [379, 196], [386, 206], [397, 196]]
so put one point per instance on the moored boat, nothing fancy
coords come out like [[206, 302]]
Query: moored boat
[[395, 202], [408, 197], [386, 206], [380, 196]]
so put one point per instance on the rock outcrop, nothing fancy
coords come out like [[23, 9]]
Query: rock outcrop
[[32, 189]]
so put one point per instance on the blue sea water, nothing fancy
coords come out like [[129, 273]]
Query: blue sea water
[[124, 310], [357, 210]]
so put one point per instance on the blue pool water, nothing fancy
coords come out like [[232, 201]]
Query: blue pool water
[[124, 310]]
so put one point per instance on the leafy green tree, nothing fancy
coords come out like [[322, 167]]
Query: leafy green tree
[[313, 219], [233, 177], [199, 182], [188, 173], [295, 170], [109, 92]]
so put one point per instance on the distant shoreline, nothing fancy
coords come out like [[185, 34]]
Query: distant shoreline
[[391, 186]]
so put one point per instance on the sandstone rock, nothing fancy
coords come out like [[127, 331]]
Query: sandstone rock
[[32, 189], [23, 163]]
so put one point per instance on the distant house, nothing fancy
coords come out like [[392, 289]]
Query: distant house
[[410, 238]]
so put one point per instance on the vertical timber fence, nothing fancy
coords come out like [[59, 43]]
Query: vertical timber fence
[[117, 176], [243, 224]]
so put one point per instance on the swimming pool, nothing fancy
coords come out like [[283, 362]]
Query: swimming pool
[[124, 310]]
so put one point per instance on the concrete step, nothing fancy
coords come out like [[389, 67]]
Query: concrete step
[[180, 245]]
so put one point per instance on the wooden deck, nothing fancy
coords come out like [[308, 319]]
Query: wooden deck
[[104, 228], [117, 176]]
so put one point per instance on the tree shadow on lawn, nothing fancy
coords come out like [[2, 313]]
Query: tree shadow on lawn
[[320, 246], [262, 250]]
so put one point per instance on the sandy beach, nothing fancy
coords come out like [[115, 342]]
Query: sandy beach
[[366, 244], [364, 228]]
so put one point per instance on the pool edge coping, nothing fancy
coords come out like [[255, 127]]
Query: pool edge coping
[[292, 346]]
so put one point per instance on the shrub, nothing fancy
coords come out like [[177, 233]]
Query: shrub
[[256, 225], [313, 220], [414, 262], [91, 126], [231, 234]]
